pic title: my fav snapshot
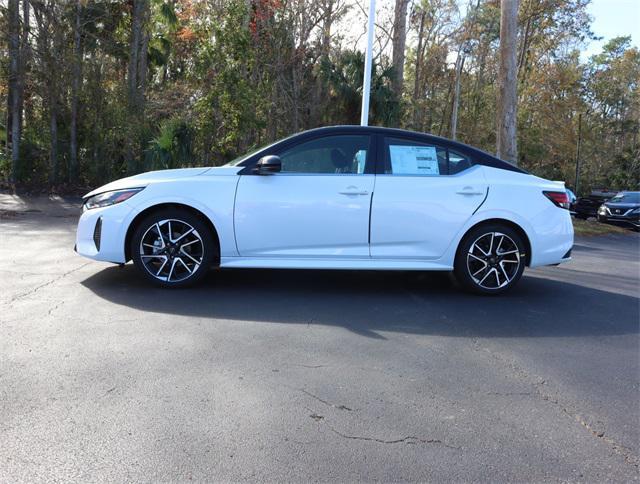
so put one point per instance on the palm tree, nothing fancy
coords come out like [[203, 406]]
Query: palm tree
[[344, 77]]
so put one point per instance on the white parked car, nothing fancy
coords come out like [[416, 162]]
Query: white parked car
[[345, 197]]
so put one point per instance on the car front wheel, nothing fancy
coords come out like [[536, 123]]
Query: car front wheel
[[172, 248], [490, 259]]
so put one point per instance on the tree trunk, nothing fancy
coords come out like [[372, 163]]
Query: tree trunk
[[13, 98], [456, 94], [507, 148], [54, 96], [477, 95], [137, 75], [295, 95], [418, 69], [134, 49], [53, 132], [75, 93], [399, 41], [143, 67], [319, 105], [24, 54]]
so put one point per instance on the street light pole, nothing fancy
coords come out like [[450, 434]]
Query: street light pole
[[366, 84]]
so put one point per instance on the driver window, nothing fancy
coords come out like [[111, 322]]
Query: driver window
[[341, 154]]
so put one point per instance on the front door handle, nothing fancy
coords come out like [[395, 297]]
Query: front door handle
[[353, 190], [470, 191]]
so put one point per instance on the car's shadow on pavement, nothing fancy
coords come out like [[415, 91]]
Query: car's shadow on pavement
[[371, 302]]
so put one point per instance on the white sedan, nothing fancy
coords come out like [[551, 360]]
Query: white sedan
[[345, 197]]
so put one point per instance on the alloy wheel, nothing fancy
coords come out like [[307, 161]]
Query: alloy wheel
[[171, 250], [493, 260]]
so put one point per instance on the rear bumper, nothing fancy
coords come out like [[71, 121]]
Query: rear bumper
[[552, 237]]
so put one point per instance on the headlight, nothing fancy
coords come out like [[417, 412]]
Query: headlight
[[110, 198], [636, 211]]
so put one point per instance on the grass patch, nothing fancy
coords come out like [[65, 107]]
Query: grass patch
[[593, 227]]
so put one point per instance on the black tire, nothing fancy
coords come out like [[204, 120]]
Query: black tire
[[580, 216], [504, 259], [168, 260]]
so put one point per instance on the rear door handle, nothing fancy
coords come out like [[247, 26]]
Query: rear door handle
[[352, 190], [470, 191]]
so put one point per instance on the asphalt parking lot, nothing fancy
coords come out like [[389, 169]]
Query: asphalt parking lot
[[312, 375]]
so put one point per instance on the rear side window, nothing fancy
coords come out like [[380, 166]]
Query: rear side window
[[410, 157], [458, 162]]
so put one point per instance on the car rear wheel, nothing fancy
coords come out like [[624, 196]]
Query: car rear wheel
[[490, 259], [172, 248]]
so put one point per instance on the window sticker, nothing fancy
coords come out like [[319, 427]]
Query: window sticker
[[414, 160]]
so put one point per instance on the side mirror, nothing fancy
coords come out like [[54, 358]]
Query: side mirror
[[268, 164]]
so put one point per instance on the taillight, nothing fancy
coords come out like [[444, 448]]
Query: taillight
[[559, 199]]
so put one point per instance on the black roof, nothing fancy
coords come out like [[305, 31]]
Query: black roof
[[478, 156]]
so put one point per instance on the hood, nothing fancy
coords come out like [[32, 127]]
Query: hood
[[144, 179], [622, 205], [225, 170]]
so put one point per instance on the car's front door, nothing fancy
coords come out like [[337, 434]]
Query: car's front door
[[424, 195], [316, 207]]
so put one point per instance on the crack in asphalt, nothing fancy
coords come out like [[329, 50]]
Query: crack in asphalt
[[33, 290], [408, 440], [53, 308], [509, 394], [626, 453], [339, 407]]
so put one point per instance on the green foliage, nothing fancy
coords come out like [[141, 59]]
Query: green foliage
[[344, 75], [173, 147], [5, 164], [223, 77]]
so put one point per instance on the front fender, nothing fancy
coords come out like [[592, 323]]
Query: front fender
[[213, 197]]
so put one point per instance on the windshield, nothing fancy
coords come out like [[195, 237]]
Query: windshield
[[628, 197], [244, 156], [241, 158]]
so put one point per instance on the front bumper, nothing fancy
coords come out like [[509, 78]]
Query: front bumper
[[619, 219], [624, 221], [106, 243]]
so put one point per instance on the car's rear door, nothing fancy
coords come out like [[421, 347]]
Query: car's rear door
[[424, 195], [316, 207]]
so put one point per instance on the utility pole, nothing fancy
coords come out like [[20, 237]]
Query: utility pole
[[366, 84], [577, 184]]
